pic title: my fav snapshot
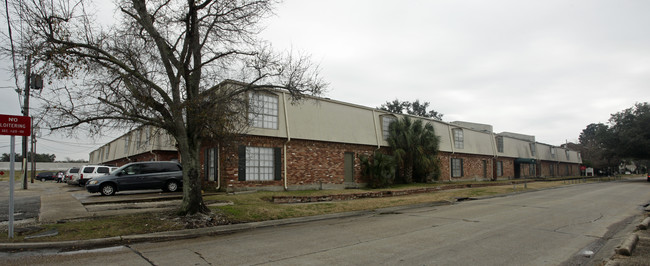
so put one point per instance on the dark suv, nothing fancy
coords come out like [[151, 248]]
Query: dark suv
[[167, 176]]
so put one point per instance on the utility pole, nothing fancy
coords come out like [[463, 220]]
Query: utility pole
[[28, 73], [35, 81]]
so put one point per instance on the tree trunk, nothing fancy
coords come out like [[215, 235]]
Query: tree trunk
[[192, 194], [408, 172]]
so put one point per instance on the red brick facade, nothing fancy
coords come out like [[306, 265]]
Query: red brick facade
[[318, 164], [309, 164]]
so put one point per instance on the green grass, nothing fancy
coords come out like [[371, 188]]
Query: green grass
[[103, 227]]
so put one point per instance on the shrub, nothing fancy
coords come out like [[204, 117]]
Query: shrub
[[379, 170]]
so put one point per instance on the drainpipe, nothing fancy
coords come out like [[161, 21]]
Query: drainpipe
[[374, 121], [286, 122], [451, 140], [494, 158], [218, 166]]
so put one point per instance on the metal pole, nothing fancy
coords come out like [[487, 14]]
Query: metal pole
[[11, 186], [26, 113]]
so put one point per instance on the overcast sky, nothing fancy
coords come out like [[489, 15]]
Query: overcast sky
[[542, 68]]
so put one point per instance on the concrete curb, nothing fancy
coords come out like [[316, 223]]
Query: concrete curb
[[644, 225], [199, 232], [628, 245]]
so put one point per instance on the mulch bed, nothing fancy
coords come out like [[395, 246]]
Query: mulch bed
[[381, 194]]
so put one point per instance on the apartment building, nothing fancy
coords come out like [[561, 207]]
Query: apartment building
[[316, 143]]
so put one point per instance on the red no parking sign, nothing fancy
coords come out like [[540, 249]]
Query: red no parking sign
[[15, 125]]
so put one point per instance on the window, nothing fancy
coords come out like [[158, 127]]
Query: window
[[108, 151], [385, 125], [567, 155], [499, 168], [499, 140], [533, 149], [552, 152], [138, 142], [458, 138], [456, 167], [103, 170], [211, 157], [88, 170], [259, 164], [263, 110], [147, 136], [551, 169], [127, 143]]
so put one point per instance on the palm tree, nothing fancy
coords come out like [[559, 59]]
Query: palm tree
[[415, 146]]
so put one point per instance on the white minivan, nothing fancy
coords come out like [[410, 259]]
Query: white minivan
[[89, 171]]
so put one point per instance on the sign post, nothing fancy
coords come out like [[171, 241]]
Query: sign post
[[13, 126]]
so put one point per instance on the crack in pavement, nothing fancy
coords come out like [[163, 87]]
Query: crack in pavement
[[201, 256], [572, 224], [141, 255]]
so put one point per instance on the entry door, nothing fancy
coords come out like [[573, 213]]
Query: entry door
[[348, 167], [517, 170]]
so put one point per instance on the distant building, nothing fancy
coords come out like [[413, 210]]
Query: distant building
[[317, 142]]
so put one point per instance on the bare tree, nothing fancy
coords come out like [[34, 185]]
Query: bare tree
[[163, 63]]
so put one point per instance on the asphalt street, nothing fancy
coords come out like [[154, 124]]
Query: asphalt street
[[579, 224]]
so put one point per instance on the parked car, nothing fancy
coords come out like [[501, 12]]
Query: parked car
[[87, 172], [70, 173], [167, 176], [43, 176], [648, 177]]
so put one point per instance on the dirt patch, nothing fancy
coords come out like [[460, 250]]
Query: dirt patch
[[199, 220]]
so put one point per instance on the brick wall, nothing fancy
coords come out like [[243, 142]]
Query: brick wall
[[310, 164], [318, 164], [473, 167]]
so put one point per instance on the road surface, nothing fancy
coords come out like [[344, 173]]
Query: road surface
[[550, 227]]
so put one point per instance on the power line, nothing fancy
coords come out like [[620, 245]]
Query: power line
[[13, 50]]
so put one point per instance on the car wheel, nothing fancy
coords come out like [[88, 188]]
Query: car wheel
[[107, 189], [171, 186]]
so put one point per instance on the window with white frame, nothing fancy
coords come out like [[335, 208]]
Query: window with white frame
[[108, 151], [263, 111], [259, 164], [385, 125], [552, 152], [211, 159], [456, 167], [499, 140], [499, 168], [567, 155], [459, 139]]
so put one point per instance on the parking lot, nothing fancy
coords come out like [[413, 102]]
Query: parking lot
[[50, 202]]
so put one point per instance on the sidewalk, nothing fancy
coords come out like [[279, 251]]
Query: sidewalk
[[61, 206]]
